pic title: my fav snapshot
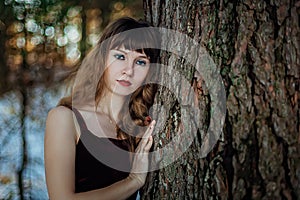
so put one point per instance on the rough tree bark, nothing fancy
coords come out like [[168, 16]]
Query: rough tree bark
[[256, 47]]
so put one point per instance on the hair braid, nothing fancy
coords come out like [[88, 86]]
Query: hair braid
[[136, 118]]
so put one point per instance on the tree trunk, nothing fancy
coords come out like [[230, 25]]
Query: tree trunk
[[255, 45]]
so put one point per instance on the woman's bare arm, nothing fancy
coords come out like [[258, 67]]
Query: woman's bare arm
[[60, 143]]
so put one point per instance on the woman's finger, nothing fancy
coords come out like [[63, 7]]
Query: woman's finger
[[149, 144], [150, 129], [147, 138], [145, 144], [147, 135]]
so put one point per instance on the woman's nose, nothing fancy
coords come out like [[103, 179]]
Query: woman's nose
[[129, 67]]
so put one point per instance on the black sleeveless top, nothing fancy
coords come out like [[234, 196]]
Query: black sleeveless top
[[90, 173]]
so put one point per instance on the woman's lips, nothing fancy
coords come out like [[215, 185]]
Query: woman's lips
[[124, 83]]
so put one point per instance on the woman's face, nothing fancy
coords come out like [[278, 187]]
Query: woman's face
[[126, 70]]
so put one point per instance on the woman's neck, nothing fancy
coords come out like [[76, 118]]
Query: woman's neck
[[111, 105]]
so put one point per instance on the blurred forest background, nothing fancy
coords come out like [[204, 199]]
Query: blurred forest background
[[41, 41]]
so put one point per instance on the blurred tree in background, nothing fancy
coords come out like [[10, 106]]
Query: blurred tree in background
[[41, 41]]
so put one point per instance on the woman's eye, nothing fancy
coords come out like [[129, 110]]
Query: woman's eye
[[120, 57], [141, 62]]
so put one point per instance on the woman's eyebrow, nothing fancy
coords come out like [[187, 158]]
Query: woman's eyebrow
[[120, 51], [141, 55]]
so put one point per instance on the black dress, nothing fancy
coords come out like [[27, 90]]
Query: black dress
[[90, 173]]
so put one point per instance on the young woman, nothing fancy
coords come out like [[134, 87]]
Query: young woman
[[108, 106]]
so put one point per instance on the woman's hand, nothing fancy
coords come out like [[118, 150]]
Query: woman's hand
[[141, 159]]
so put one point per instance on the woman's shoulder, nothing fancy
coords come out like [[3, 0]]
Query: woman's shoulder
[[60, 110], [62, 120]]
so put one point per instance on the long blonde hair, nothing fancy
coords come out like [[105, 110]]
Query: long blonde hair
[[135, 116]]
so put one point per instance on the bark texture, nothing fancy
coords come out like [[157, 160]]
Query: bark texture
[[255, 45]]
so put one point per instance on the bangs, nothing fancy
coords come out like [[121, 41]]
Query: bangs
[[142, 43]]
